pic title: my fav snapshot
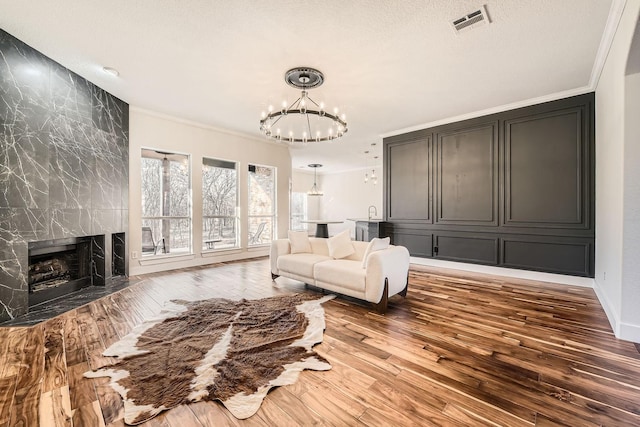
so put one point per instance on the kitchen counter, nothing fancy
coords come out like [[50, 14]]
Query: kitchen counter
[[375, 220], [367, 229]]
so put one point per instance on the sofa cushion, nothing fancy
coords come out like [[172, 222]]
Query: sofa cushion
[[300, 264], [340, 245], [299, 241], [319, 245], [341, 272], [375, 244]]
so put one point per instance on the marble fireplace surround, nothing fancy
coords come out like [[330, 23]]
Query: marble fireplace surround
[[64, 167]]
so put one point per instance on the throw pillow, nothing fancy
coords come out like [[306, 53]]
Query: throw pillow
[[299, 241], [340, 245], [375, 245]]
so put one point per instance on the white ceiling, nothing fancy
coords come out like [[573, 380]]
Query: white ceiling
[[389, 64]]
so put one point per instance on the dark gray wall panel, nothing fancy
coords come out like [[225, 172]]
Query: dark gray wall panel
[[544, 171], [557, 257], [534, 182], [419, 245], [466, 248], [408, 180], [467, 176]]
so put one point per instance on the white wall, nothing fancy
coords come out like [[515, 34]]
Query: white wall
[[631, 223], [149, 130], [347, 196], [613, 197]]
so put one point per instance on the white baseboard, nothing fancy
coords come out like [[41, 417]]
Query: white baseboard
[[586, 282], [608, 308], [629, 332], [622, 330]]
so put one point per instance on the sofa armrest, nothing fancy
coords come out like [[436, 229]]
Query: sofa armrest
[[392, 264], [278, 247]]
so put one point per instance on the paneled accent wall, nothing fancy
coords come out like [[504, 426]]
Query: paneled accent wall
[[63, 165], [513, 189]]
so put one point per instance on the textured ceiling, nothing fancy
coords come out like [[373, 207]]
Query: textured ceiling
[[389, 65]]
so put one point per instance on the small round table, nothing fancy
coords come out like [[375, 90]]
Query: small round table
[[322, 229]]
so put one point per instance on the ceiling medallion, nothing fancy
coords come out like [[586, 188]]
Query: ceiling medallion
[[304, 120]]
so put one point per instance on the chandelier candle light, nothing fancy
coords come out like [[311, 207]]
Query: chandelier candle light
[[304, 120]]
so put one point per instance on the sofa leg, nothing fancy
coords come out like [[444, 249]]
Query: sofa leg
[[403, 292], [381, 307], [274, 276]]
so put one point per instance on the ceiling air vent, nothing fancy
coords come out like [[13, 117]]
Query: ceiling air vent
[[472, 20]]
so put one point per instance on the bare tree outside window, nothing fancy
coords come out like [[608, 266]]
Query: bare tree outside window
[[262, 204], [166, 202], [219, 204]]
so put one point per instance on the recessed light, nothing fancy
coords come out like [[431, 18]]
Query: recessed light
[[111, 71]]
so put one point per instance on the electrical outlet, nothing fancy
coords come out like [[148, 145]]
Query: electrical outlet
[[134, 254]]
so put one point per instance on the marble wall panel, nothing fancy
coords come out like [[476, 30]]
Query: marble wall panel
[[125, 220], [106, 221], [24, 76], [124, 180], [106, 191], [28, 224], [71, 96], [70, 170], [63, 164], [13, 276], [101, 256], [119, 254], [24, 160], [70, 223]]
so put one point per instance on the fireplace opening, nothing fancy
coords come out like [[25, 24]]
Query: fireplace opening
[[58, 267]]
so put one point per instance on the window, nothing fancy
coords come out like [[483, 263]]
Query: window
[[166, 203], [298, 211], [219, 204], [262, 204]]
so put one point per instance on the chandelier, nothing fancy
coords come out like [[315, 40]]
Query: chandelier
[[304, 120], [315, 191]]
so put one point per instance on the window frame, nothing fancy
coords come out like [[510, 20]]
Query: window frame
[[235, 217], [160, 243], [303, 217], [273, 216]]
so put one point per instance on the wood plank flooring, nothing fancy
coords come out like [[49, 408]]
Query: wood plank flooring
[[461, 350]]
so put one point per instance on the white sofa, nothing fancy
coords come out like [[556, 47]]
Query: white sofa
[[382, 275]]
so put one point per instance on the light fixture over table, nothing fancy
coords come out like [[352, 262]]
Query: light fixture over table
[[374, 177], [304, 120], [315, 191]]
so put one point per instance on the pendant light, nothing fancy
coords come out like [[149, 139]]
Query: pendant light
[[315, 191]]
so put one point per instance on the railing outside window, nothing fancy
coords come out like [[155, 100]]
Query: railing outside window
[[262, 204], [219, 204]]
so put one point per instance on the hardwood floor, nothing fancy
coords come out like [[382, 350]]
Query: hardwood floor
[[459, 350]]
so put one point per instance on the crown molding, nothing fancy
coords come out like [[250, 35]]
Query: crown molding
[[202, 125], [615, 15], [505, 107]]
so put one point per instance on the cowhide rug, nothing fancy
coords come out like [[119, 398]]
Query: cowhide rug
[[232, 351]]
